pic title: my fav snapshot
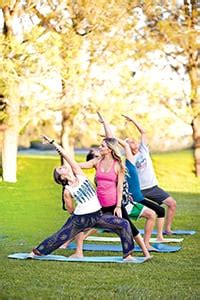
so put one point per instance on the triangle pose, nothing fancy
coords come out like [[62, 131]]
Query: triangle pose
[[87, 213]]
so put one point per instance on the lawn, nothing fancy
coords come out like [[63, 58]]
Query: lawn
[[31, 210]]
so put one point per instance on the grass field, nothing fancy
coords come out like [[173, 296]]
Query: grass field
[[31, 210]]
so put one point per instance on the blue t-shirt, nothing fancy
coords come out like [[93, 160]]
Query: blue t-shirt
[[133, 182]]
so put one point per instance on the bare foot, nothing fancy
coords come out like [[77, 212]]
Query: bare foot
[[76, 255], [160, 239], [132, 258], [129, 258], [31, 255], [148, 257], [152, 249], [34, 253]]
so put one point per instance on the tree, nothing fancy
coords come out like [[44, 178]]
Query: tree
[[93, 46], [21, 66], [174, 28], [22, 55]]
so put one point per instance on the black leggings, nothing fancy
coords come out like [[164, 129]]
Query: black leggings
[[110, 209], [160, 211]]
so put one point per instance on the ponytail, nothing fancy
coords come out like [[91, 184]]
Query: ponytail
[[63, 182], [63, 201]]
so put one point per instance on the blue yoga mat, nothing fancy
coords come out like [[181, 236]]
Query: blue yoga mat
[[94, 259], [174, 232], [162, 248]]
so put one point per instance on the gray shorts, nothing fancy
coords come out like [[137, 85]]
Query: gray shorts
[[155, 194]]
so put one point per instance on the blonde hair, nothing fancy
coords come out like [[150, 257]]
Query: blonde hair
[[113, 145]]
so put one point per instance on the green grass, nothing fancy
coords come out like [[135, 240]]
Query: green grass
[[31, 210]]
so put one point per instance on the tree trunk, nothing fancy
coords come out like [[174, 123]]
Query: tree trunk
[[11, 133], [194, 80], [196, 137], [65, 132], [10, 142], [195, 105], [9, 154]]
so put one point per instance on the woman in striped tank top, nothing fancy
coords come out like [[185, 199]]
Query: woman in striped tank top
[[87, 213]]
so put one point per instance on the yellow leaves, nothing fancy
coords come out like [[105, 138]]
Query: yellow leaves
[[168, 30], [4, 3]]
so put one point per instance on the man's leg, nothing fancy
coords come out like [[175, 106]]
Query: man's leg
[[160, 225], [160, 211], [150, 217], [136, 235], [171, 211]]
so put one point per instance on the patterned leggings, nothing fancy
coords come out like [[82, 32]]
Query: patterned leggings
[[110, 209], [78, 223]]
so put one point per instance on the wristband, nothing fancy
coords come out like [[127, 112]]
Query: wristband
[[118, 206], [51, 142]]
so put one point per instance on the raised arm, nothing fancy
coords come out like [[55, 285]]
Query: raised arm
[[127, 150], [107, 129], [138, 126], [67, 156]]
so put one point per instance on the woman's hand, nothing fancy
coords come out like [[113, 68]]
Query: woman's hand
[[118, 212], [127, 118], [46, 139], [101, 119]]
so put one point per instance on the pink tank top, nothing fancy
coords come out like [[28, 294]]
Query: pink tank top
[[106, 186]]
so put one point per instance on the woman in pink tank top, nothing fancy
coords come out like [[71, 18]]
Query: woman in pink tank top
[[106, 185], [109, 175], [109, 181]]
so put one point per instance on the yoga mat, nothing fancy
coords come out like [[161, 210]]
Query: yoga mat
[[117, 239], [167, 240], [174, 232], [94, 259], [162, 248]]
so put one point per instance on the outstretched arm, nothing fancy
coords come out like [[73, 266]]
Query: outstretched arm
[[90, 163], [106, 126], [138, 126], [127, 149], [74, 165]]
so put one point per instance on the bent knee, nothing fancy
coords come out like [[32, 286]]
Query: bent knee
[[170, 202], [149, 214]]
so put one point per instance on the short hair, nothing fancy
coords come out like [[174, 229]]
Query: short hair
[[90, 155]]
